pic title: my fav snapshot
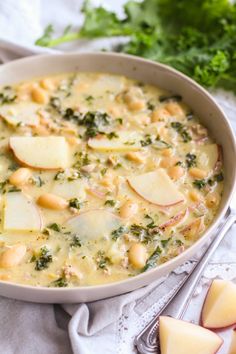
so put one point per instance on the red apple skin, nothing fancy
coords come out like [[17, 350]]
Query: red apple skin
[[162, 206], [174, 219], [22, 163], [213, 328], [222, 341]]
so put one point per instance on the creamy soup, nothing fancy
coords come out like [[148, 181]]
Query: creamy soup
[[101, 178]]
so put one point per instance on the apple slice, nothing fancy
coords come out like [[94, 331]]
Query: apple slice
[[125, 141], [180, 337], [47, 153], [219, 308], [156, 187], [208, 156], [232, 348], [93, 224], [20, 213], [24, 113], [70, 189]]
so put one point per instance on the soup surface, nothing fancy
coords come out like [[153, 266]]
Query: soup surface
[[101, 178]]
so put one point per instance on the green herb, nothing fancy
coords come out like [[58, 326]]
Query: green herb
[[83, 160], [170, 98], [37, 181], [13, 189], [191, 160], [59, 176], [151, 223], [199, 183], [118, 232], [75, 242], [112, 135], [165, 242], [13, 166], [94, 121], [45, 257], [219, 177], [119, 121], [182, 130], [102, 260], [75, 203], [89, 99], [46, 37], [7, 95], [55, 103], [152, 260], [150, 106], [147, 140], [144, 233], [55, 227], [103, 171], [110, 202], [60, 282]]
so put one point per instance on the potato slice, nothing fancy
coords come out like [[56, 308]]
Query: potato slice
[[126, 141], [24, 113], [70, 189], [46, 153], [156, 187], [93, 224], [180, 337], [219, 307], [207, 157], [20, 213]]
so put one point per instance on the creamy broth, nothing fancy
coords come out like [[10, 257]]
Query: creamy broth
[[102, 178]]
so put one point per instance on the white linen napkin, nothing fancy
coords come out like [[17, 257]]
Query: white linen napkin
[[28, 328]]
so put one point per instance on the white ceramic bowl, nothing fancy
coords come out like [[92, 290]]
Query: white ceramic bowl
[[149, 72]]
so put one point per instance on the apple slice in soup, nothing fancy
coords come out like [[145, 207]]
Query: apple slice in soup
[[124, 141], [46, 153], [20, 213], [25, 113], [219, 309], [180, 337], [156, 187], [208, 156], [93, 224]]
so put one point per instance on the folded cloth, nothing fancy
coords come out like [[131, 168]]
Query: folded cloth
[[96, 327]]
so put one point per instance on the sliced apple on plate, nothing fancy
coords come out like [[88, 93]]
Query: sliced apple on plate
[[219, 309], [125, 141], [70, 189], [156, 187], [20, 213], [232, 348], [208, 156], [24, 113], [47, 153], [180, 337], [93, 224]]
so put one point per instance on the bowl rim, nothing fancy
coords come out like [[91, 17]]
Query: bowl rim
[[184, 255]]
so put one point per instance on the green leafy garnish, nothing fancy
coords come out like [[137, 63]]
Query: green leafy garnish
[[110, 202], [102, 260], [45, 257], [75, 203], [199, 183], [75, 242], [197, 37], [182, 130], [54, 226], [152, 260], [60, 282], [191, 160], [118, 232]]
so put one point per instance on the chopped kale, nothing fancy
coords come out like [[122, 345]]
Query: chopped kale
[[177, 98], [182, 130], [55, 227], [165, 242], [94, 121], [219, 177], [75, 203], [199, 183], [191, 160], [59, 176], [75, 242], [7, 95], [60, 282], [146, 141], [152, 260], [55, 103], [102, 260], [118, 232], [112, 135], [110, 202], [45, 257]]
